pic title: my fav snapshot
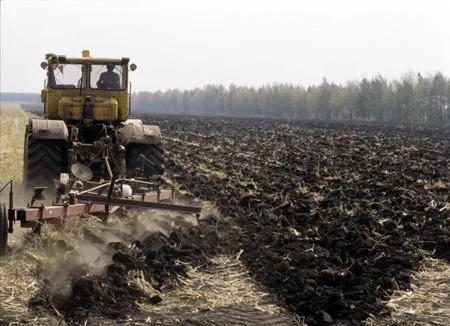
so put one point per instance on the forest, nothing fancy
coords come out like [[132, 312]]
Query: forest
[[411, 99]]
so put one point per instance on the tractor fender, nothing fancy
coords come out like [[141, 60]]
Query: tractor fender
[[49, 129], [134, 131]]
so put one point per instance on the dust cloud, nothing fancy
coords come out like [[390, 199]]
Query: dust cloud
[[85, 246]]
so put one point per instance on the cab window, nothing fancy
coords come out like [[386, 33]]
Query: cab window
[[66, 76], [108, 76]]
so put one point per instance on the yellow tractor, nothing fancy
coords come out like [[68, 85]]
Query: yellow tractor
[[86, 131]]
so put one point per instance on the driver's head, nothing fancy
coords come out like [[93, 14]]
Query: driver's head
[[110, 66]]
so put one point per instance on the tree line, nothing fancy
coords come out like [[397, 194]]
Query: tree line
[[411, 99]]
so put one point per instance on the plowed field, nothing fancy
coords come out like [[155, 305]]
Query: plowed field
[[313, 223], [332, 218]]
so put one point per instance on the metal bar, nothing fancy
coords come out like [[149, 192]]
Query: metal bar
[[111, 188], [129, 99], [110, 193], [9, 182], [11, 212], [31, 216], [141, 204], [11, 196], [165, 195], [108, 168], [136, 181], [52, 212], [94, 188]]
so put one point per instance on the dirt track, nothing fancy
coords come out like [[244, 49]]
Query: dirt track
[[329, 219]]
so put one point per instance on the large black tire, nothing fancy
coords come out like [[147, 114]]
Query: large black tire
[[154, 153], [43, 161], [3, 230]]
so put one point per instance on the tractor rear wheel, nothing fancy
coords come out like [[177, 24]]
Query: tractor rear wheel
[[3, 230], [43, 161], [153, 165]]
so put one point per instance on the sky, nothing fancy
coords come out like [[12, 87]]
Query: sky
[[190, 43]]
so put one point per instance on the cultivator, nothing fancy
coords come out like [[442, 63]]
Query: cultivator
[[95, 198]]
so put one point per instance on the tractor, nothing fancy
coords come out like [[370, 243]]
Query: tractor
[[85, 130], [87, 150]]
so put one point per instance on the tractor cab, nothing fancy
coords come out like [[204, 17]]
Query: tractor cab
[[86, 127], [74, 83], [94, 76]]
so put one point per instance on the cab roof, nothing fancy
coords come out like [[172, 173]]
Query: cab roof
[[53, 58]]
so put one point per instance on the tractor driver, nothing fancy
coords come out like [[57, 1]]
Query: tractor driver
[[109, 79]]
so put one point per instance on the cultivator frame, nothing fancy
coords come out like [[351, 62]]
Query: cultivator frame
[[89, 201]]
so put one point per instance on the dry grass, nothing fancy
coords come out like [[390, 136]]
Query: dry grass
[[18, 282], [177, 140], [438, 184], [12, 129], [35, 258], [226, 284], [19, 279], [428, 301]]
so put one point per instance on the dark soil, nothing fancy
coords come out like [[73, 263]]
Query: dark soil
[[331, 218], [109, 294]]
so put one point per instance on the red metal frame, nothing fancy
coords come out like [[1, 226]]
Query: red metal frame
[[87, 202], [30, 217]]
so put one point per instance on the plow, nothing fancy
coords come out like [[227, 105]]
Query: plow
[[86, 149], [92, 201]]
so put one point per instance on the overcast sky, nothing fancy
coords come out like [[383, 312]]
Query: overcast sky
[[189, 43]]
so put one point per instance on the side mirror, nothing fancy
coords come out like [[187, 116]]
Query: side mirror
[[44, 64], [133, 67]]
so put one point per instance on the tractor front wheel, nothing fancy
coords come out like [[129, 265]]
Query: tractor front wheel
[[43, 161]]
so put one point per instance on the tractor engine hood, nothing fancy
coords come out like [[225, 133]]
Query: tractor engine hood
[[94, 108]]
